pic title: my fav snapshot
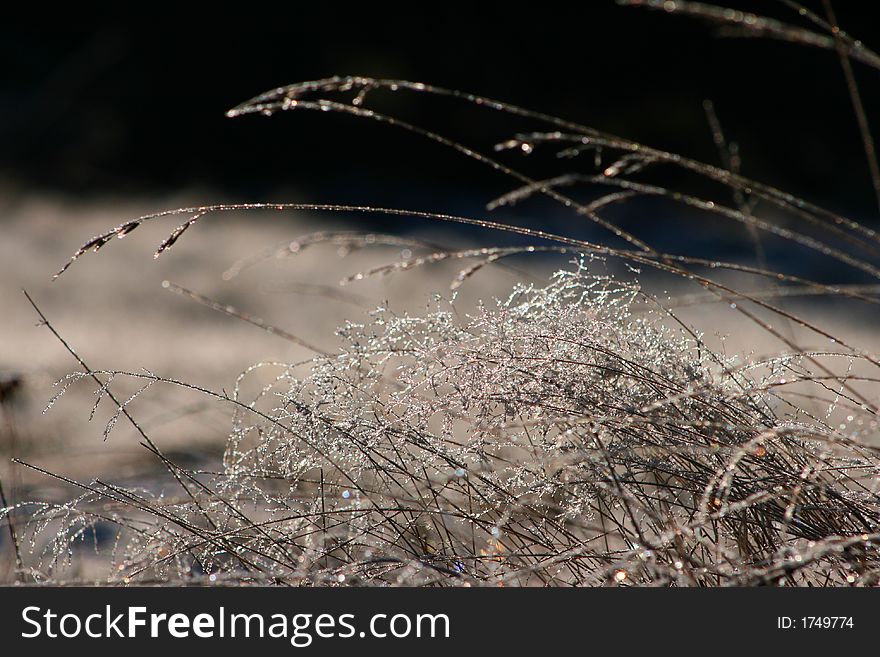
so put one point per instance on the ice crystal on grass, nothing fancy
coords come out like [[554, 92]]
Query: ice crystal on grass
[[576, 431], [551, 437]]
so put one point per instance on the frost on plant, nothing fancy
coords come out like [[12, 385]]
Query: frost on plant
[[556, 436], [574, 432]]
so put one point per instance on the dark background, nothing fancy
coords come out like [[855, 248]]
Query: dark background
[[136, 106]]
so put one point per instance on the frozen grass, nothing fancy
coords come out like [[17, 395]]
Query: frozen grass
[[574, 432]]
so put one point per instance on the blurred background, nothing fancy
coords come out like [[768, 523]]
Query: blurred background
[[136, 107], [105, 120]]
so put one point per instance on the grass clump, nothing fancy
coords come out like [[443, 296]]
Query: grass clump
[[576, 431], [553, 437]]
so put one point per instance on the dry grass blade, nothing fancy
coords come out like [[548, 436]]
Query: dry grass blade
[[748, 24]]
